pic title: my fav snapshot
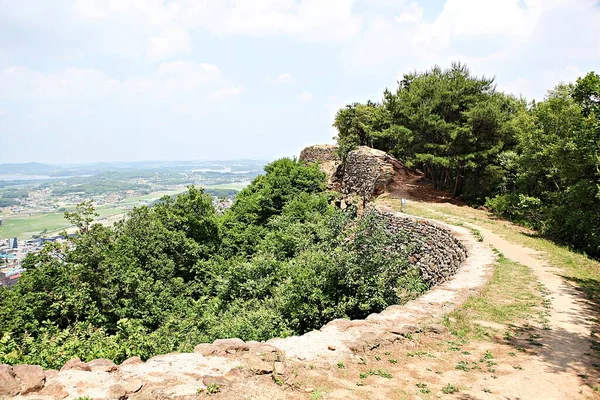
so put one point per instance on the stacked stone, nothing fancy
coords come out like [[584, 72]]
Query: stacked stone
[[367, 172], [435, 250]]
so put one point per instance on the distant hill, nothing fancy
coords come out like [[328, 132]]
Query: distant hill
[[31, 168]]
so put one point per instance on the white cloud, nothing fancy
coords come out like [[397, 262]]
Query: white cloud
[[169, 43], [284, 78], [305, 96], [70, 84], [313, 20], [153, 12], [228, 91], [176, 81], [518, 41], [537, 86]]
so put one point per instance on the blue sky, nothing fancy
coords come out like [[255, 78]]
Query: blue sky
[[109, 80]]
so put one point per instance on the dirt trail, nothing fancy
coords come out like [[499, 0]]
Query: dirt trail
[[564, 359]]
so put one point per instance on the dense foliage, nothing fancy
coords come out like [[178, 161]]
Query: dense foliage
[[538, 163], [281, 261]]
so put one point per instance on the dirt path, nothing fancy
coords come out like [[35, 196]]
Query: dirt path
[[564, 361]]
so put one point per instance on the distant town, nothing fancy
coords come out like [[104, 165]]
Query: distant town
[[34, 197]]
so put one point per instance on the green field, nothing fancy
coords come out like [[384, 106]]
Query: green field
[[232, 185], [23, 227], [149, 198]]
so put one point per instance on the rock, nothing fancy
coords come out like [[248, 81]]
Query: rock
[[405, 330], [121, 389], [367, 171], [279, 367], [54, 390], [215, 380], [331, 347], [329, 162], [75, 363], [32, 377], [206, 349], [102, 365], [258, 366], [132, 385], [232, 345], [132, 361], [50, 373], [117, 392], [9, 386], [436, 328]]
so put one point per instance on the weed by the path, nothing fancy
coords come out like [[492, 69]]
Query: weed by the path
[[449, 389], [423, 388], [316, 394], [277, 380], [463, 366], [477, 234], [375, 372], [341, 365], [418, 353], [211, 389], [393, 361], [508, 297]]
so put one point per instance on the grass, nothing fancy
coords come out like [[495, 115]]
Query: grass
[[148, 198], [23, 227], [449, 389], [232, 185], [510, 295]]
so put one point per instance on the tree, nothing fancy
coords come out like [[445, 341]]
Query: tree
[[449, 122], [83, 216]]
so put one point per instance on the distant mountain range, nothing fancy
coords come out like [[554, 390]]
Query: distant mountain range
[[32, 168], [35, 168]]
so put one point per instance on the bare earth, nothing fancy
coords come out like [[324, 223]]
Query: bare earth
[[564, 359]]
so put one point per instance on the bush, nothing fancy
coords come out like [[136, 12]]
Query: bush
[[282, 261]]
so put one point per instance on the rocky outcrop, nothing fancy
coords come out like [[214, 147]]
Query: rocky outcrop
[[367, 172]]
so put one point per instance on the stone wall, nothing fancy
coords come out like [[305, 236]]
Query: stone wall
[[233, 362], [438, 253], [366, 173]]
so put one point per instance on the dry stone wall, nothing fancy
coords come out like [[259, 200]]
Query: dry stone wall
[[438, 253], [441, 251], [367, 172]]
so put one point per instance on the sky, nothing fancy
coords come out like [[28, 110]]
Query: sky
[[129, 80]]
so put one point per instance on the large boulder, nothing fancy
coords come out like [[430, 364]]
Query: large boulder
[[367, 172]]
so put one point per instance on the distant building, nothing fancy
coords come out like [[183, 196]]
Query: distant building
[[12, 243]]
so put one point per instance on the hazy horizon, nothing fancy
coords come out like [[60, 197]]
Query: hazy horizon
[[97, 80]]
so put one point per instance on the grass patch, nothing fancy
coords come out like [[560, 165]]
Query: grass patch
[[509, 296]]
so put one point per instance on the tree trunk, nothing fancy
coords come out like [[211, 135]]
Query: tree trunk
[[458, 183]]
